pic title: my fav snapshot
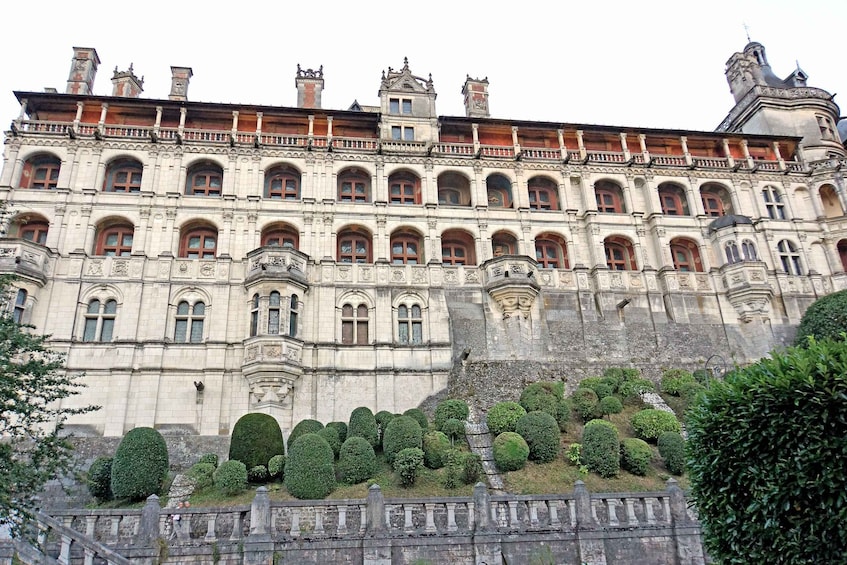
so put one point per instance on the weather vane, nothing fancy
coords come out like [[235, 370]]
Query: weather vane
[[747, 31]]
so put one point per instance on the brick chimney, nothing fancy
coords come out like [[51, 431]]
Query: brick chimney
[[83, 70], [179, 83], [126, 84], [476, 97], [310, 84]]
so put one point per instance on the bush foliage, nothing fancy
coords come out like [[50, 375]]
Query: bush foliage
[[356, 461], [649, 424], [454, 429], [402, 432], [452, 408], [766, 451], [825, 318], [202, 474], [407, 463], [382, 418], [309, 473], [435, 446], [210, 458], [363, 424], [610, 405], [472, 470], [636, 455], [303, 427], [601, 386], [255, 439], [672, 449], [331, 437], [601, 448], [100, 479], [510, 451], [586, 403], [340, 428], [674, 379], [503, 416], [418, 415], [276, 467], [258, 474], [231, 477], [541, 433], [140, 464]]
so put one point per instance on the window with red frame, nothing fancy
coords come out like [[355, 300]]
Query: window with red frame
[[608, 201], [41, 173], [199, 243], [550, 254], [280, 238], [354, 324], [712, 204], [686, 257], [673, 202], [620, 255], [542, 197], [354, 187], [404, 189], [283, 185], [204, 182], [405, 249], [354, 248], [115, 241], [123, 176], [35, 232]]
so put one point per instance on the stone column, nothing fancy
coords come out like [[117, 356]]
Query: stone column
[[487, 547], [376, 547], [592, 550], [148, 528], [689, 548], [259, 546]]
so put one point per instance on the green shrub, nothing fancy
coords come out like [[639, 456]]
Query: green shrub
[[563, 414], [635, 388], [331, 437], [382, 418], [611, 405], [541, 433], [503, 416], [586, 403], [672, 449], [140, 464], [449, 409], [407, 463], [257, 475], [418, 415], [603, 387], [510, 451], [99, 479], [636, 455], [356, 461], [276, 467], [402, 432], [454, 429], [231, 477], [340, 428], [363, 424], [453, 473], [210, 458], [689, 391], [825, 318], [702, 376], [601, 448], [255, 439], [766, 458], [472, 471], [650, 423], [303, 427], [673, 379], [202, 475], [309, 473], [547, 397], [435, 446]]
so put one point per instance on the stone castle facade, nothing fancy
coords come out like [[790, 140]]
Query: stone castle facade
[[198, 261]]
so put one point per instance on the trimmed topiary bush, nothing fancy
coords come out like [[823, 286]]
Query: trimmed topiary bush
[[257, 475], [340, 428], [448, 409], [452, 471], [503, 416], [276, 467], [407, 463], [202, 475], [356, 461], [672, 449], [231, 477], [255, 439], [402, 432], [363, 424], [303, 427], [472, 471], [99, 479], [650, 423], [510, 451], [435, 446], [601, 448], [586, 403], [601, 386], [331, 437], [636, 455], [140, 464], [632, 389], [309, 473], [210, 458], [418, 415], [673, 379], [825, 318], [454, 429], [766, 458], [541, 433], [382, 418], [563, 414], [611, 405]]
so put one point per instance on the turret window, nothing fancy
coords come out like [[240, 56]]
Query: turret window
[[19, 307]]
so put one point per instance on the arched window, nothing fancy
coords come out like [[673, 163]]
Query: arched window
[[842, 253], [189, 322], [542, 194], [35, 232], [354, 247], [503, 243], [609, 197], [41, 172], [686, 256], [716, 201], [284, 237], [731, 251], [789, 256], [409, 324], [123, 175], [274, 303], [205, 179], [620, 254], [199, 243], [404, 188], [457, 248], [406, 249], [674, 202], [454, 189], [282, 183], [115, 241], [748, 249], [100, 320], [499, 191], [254, 315], [551, 252], [773, 203], [354, 185], [19, 307], [354, 324], [293, 315]]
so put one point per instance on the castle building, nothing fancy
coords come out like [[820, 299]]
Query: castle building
[[198, 261]]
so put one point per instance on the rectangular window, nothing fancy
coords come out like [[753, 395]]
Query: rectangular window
[[408, 134], [273, 321], [403, 334], [362, 333], [180, 331], [396, 132], [347, 331], [196, 331], [394, 105], [417, 332], [107, 329], [90, 329], [407, 106]]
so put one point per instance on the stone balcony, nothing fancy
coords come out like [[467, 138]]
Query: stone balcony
[[25, 259], [511, 281]]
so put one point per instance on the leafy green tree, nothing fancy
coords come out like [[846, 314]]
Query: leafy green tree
[[826, 317], [33, 384]]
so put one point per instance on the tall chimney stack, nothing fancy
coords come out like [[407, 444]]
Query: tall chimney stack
[[126, 84], [83, 70], [179, 83], [476, 97], [310, 84]]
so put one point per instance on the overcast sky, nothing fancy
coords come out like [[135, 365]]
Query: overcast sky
[[647, 63]]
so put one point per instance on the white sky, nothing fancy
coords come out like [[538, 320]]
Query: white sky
[[648, 63]]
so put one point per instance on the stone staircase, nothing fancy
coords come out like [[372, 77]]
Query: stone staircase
[[479, 440]]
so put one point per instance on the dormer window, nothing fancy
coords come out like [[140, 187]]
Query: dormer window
[[402, 133], [399, 106]]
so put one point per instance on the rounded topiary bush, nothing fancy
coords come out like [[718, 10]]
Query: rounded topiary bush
[[418, 415], [602, 387], [331, 437], [363, 424], [309, 473], [601, 448], [454, 429], [382, 418], [541, 433], [510, 451], [649, 424], [825, 318], [340, 428], [356, 461], [503, 416], [563, 414], [673, 379], [402, 432], [255, 439], [99, 479], [258, 474], [634, 388], [452, 408], [202, 475], [276, 467], [636, 455], [472, 471], [586, 403], [231, 477], [210, 458], [407, 463], [140, 464], [303, 427], [672, 449], [611, 405], [435, 446]]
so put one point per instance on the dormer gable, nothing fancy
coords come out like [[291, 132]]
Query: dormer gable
[[402, 93]]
